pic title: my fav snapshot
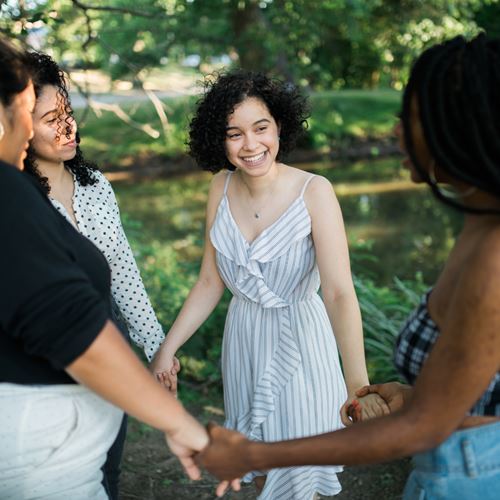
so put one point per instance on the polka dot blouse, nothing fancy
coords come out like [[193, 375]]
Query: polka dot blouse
[[98, 218]]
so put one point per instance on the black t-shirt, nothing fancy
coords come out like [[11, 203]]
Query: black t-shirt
[[54, 286]]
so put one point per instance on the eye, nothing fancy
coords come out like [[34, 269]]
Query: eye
[[234, 135], [263, 128], [53, 120]]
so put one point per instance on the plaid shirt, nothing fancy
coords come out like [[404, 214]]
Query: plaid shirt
[[414, 343]]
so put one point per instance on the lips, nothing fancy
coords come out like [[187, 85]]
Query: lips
[[70, 144], [255, 159]]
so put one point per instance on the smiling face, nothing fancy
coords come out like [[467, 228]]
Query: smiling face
[[54, 138], [252, 137]]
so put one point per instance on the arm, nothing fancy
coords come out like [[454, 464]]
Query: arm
[[461, 365], [127, 286], [204, 295], [337, 288], [123, 380]]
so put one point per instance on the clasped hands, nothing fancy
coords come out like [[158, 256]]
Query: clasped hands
[[229, 453]]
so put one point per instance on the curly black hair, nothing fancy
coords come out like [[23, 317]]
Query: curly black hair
[[223, 92], [45, 71], [457, 85]]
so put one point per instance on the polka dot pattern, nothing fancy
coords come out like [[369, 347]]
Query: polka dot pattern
[[98, 218]]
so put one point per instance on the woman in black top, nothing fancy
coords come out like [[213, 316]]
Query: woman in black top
[[55, 334]]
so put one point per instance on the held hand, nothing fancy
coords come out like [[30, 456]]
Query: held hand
[[225, 456], [186, 442], [370, 406], [394, 394], [165, 367]]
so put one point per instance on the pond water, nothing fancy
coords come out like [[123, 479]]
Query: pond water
[[394, 227]]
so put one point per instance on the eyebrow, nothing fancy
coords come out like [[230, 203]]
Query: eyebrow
[[49, 112], [253, 124]]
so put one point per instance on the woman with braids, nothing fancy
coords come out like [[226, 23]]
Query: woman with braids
[[86, 199], [272, 232], [449, 350], [65, 370]]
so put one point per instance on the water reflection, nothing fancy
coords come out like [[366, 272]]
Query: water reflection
[[393, 220], [394, 227]]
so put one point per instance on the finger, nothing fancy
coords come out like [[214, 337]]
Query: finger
[[173, 384], [344, 416], [236, 484], [362, 391], [221, 489], [211, 428], [191, 469], [176, 366]]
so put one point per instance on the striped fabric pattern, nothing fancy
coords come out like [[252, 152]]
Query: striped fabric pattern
[[281, 372], [413, 346]]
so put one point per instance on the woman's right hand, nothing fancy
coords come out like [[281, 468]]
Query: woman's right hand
[[186, 442]]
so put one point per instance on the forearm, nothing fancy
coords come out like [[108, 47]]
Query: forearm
[[374, 441], [201, 301], [345, 317], [111, 369]]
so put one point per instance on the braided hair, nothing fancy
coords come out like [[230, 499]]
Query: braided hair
[[45, 71], [457, 85]]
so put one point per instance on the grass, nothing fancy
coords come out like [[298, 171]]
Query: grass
[[336, 117]]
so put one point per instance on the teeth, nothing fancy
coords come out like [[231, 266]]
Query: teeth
[[254, 159]]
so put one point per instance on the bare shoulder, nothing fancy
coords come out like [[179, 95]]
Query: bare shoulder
[[215, 194], [319, 190], [217, 184]]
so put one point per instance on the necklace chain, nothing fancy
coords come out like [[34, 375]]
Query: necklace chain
[[257, 212]]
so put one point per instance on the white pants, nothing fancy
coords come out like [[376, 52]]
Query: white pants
[[53, 441]]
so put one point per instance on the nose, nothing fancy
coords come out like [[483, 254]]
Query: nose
[[250, 143]]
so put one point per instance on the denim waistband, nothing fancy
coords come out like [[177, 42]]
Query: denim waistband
[[471, 452]]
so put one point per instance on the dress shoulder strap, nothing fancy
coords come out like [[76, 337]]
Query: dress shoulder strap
[[226, 183], [304, 187]]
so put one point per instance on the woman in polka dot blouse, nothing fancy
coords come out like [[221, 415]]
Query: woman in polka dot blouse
[[86, 199]]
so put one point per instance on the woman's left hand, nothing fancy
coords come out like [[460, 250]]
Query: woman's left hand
[[165, 368]]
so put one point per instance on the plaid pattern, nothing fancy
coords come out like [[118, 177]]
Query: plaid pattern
[[414, 344]]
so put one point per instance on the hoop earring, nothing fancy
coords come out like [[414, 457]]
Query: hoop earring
[[2, 131], [448, 193]]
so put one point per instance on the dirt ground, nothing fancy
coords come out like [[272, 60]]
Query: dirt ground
[[150, 472]]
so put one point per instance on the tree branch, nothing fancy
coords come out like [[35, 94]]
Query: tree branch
[[121, 10]]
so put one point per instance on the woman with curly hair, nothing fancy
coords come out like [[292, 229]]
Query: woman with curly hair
[[86, 199], [273, 231], [449, 348]]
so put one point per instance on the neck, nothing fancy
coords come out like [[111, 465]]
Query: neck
[[56, 173], [258, 186]]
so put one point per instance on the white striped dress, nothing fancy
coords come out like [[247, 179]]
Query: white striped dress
[[281, 372]]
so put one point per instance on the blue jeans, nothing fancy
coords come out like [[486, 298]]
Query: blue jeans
[[465, 467]]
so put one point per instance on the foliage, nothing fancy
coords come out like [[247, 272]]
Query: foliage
[[336, 117], [384, 310], [323, 45]]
